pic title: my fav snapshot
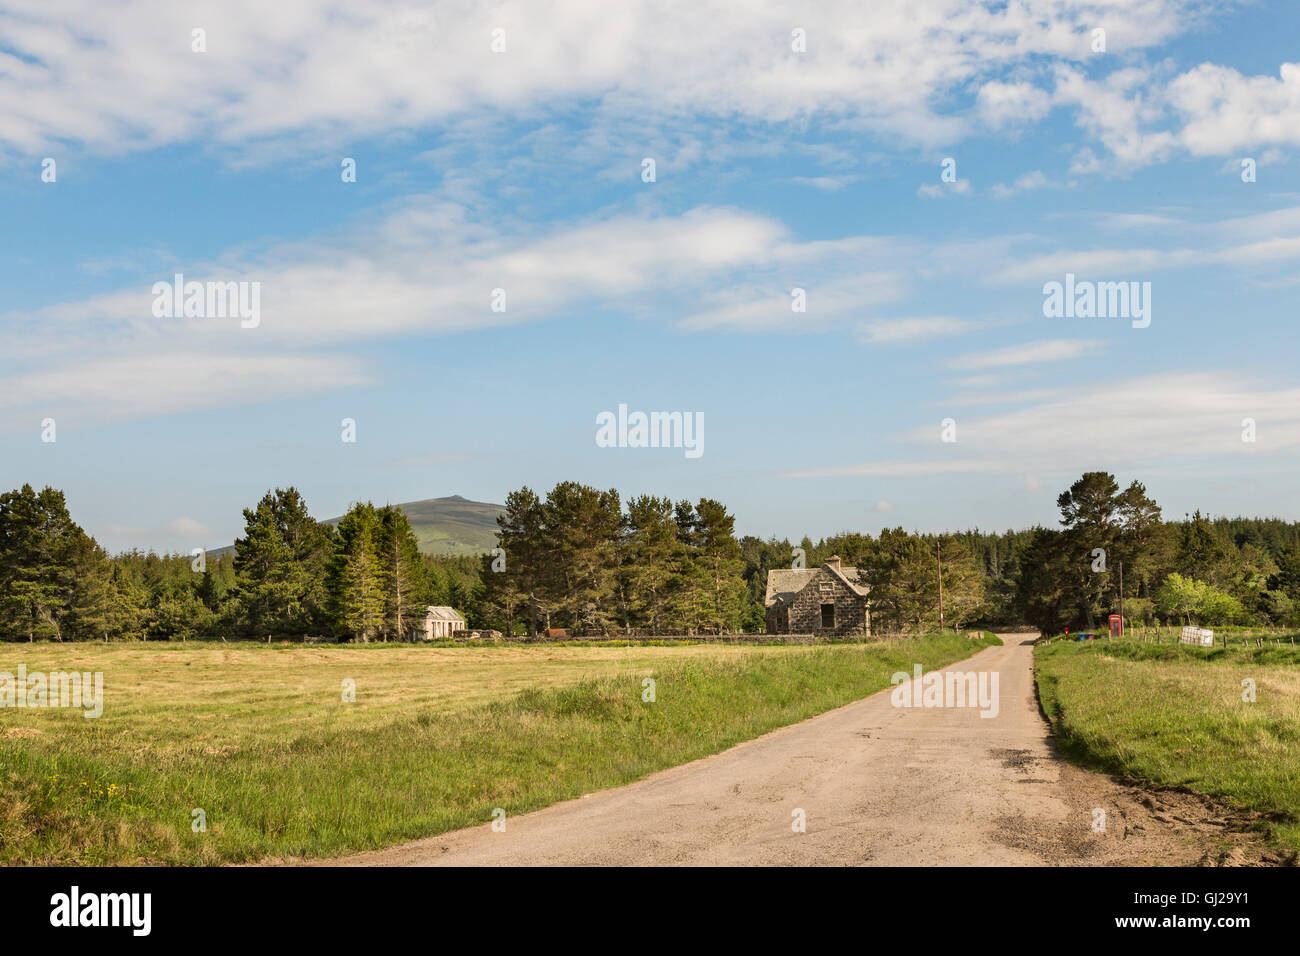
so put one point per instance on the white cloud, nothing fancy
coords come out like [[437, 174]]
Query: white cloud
[[1035, 179], [1225, 112], [320, 74], [1118, 112], [426, 268], [1263, 225], [129, 384], [185, 526], [828, 184], [890, 331], [762, 306], [123, 76], [1167, 418], [1211, 110], [178, 536], [1132, 262], [1136, 220], [960, 187], [1097, 262], [1031, 353], [1016, 397], [1003, 104]]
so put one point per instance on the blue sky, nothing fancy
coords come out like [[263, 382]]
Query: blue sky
[[775, 169]]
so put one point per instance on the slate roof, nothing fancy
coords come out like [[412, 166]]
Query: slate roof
[[442, 613], [784, 583]]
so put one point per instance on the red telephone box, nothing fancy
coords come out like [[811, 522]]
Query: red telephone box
[[1116, 626]]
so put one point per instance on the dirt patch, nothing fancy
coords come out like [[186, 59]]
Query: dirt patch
[[1168, 826], [17, 733], [1014, 759]]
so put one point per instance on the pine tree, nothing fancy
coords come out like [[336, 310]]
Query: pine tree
[[901, 572], [280, 566], [265, 585], [93, 605], [650, 550], [1202, 554], [688, 573], [1043, 597], [963, 582], [401, 571], [521, 539], [503, 598], [41, 552], [356, 583], [717, 554], [581, 526]]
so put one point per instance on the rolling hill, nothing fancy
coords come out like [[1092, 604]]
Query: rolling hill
[[451, 525]]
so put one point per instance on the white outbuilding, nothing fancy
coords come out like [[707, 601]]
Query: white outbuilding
[[440, 622]]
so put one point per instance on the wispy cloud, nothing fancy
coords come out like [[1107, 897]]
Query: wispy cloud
[[960, 187], [1030, 353], [1130, 262], [1146, 420], [427, 268], [892, 331], [126, 76], [828, 184], [166, 382], [1034, 179], [1136, 220]]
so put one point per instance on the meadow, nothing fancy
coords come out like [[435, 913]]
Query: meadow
[[1177, 715], [261, 740]]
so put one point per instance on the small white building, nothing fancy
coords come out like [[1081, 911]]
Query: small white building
[[439, 622]]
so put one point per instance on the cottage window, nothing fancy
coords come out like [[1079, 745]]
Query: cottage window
[[828, 615]]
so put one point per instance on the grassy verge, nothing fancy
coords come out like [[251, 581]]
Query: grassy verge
[[1174, 715], [260, 740]]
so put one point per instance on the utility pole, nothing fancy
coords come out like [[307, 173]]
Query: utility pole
[[1121, 598], [939, 554]]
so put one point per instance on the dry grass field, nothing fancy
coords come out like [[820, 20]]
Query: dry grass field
[[261, 739]]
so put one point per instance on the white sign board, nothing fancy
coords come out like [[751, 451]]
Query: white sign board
[[1197, 635]]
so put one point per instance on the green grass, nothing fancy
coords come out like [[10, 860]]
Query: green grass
[[1173, 715], [259, 738]]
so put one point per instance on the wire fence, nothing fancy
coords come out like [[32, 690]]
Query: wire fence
[[1223, 636]]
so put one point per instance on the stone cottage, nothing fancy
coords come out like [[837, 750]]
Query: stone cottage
[[826, 601]]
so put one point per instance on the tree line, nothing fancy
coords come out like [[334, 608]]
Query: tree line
[[584, 560], [576, 560], [1210, 572], [289, 577]]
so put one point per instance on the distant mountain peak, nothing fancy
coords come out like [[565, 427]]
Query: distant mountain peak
[[451, 525]]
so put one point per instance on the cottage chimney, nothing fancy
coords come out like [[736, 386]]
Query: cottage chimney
[[833, 562]]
